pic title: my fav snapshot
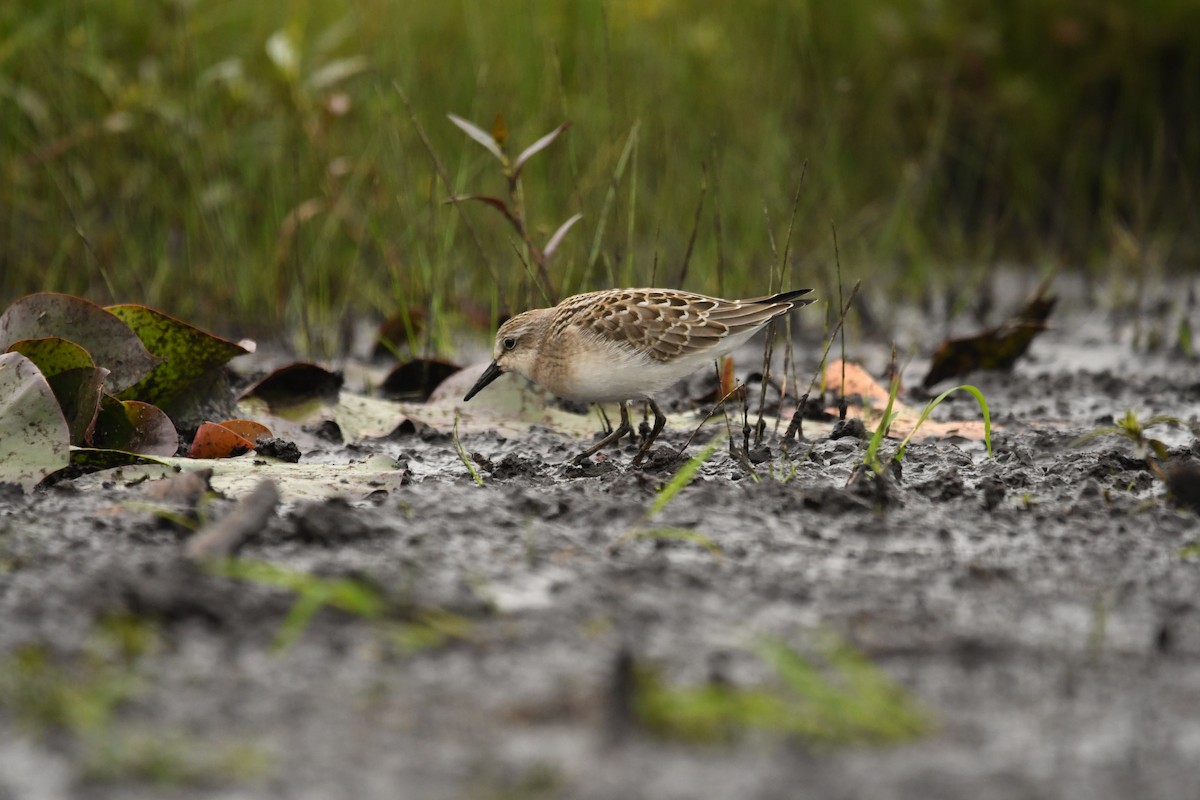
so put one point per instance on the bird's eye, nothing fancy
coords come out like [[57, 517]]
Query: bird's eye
[[510, 343]]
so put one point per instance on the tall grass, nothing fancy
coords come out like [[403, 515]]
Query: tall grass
[[251, 165]]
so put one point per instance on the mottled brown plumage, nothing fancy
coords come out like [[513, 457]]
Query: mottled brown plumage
[[621, 344]]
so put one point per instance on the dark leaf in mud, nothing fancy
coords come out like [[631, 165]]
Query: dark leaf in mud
[[398, 329], [34, 437], [79, 392], [190, 360], [294, 389], [135, 427], [106, 338], [94, 459], [214, 440], [995, 348], [417, 379]]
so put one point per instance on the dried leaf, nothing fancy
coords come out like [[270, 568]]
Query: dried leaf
[[216, 441], [537, 147], [874, 397], [499, 130], [494, 202], [284, 55], [557, 238], [478, 134], [337, 71], [294, 390], [994, 348], [247, 429], [416, 379]]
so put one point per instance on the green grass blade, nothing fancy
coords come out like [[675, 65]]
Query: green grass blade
[[682, 478], [983, 407], [462, 455]]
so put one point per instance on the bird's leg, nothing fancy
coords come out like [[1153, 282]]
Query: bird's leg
[[606, 425], [613, 436], [644, 427], [660, 420]]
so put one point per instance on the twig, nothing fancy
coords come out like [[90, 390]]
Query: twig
[[229, 533], [687, 254], [769, 347], [795, 424]]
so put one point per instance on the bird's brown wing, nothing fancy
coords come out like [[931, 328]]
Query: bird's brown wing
[[661, 324]]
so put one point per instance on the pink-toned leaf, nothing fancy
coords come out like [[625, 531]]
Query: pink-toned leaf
[[478, 134], [248, 429], [217, 441], [557, 238], [537, 147], [494, 202], [135, 427]]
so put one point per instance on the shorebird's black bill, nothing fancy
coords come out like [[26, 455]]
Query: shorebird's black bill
[[490, 374]]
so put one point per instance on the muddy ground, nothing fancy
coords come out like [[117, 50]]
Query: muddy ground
[[1035, 606]]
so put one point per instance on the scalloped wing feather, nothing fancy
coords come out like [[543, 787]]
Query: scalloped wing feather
[[664, 325]]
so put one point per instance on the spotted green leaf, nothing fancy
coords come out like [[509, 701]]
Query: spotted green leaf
[[106, 338]]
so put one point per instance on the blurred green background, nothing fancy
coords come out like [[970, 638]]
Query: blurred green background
[[251, 166]]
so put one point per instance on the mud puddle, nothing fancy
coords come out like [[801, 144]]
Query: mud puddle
[[474, 641]]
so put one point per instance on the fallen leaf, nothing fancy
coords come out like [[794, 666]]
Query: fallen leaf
[[416, 379], [53, 355], [34, 437], [134, 427], [186, 378], [996, 348], [108, 340], [216, 441], [874, 397], [237, 477], [247, 428], [79, 393], [296, 390]]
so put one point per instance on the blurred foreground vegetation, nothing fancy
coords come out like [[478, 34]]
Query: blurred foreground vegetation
[[252, 165]]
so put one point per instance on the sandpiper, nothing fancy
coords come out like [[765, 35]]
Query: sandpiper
[[619, 345]]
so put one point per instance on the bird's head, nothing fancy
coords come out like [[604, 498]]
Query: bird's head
[[516, 347]]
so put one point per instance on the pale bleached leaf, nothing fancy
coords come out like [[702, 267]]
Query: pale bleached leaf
[[537, 147], [478, 134], [557, 238]]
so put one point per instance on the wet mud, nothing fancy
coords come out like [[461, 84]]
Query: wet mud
[[1035, 605]]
